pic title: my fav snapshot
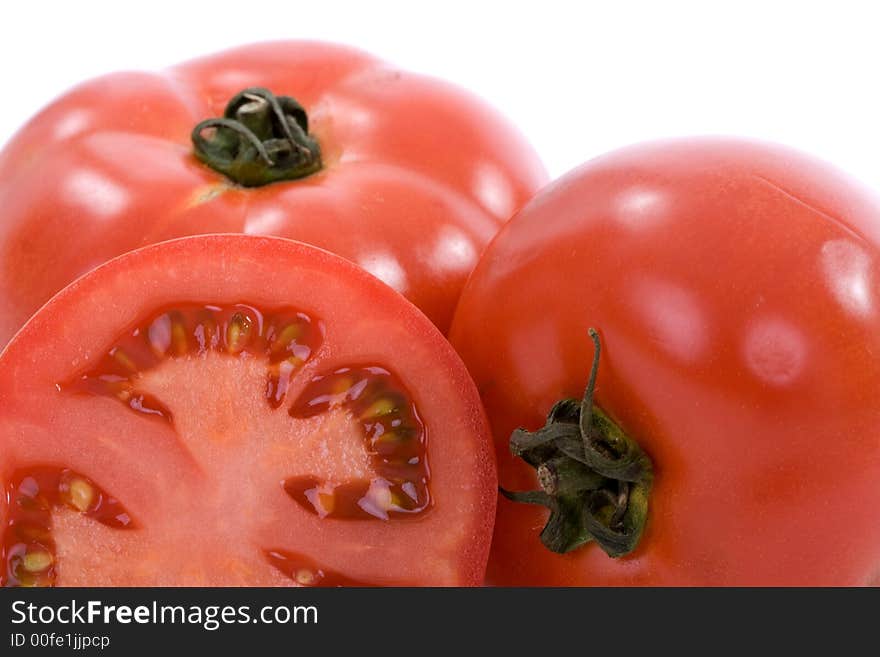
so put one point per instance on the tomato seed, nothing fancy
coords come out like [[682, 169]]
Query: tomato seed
[[379, 408], [306, 577], [37, 560], [238, 333], [80, 494], [287, 335], [123, 359], [179, 339]]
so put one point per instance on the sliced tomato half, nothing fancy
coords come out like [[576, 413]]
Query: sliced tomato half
[[236, 410]]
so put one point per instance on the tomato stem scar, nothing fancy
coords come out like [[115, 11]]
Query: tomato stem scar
[[593, 477], [261, 138]]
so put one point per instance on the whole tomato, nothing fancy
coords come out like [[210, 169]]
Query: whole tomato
[[735, 438], [405, 175]]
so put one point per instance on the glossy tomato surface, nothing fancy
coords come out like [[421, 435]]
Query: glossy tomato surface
[[416, 174], [735, 289], [238, 410]]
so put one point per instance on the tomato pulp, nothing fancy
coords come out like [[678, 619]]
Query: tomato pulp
[[407, 176], [238, 410], [735, 289]]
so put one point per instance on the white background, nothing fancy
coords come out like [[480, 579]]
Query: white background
[[579, 78]]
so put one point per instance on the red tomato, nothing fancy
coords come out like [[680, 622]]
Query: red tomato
[[407, 176], [239, 410], [735, 288]]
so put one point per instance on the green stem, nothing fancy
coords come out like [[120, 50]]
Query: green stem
[[594, 478], [261, 138]]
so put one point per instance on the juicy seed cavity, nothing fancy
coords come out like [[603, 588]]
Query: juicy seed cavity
[[395, 438], [27, 549], [287, 338]]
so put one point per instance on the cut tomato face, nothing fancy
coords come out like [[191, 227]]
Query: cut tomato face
[[235, 410]]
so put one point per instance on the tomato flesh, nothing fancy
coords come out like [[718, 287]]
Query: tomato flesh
[[252, 442]]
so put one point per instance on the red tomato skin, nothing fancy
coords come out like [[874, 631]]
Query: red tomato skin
[[448, 546], [417, 175], [735, 287]]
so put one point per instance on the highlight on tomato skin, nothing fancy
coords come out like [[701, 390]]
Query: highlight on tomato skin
[[253, 412], [733, 286], [405, 175]]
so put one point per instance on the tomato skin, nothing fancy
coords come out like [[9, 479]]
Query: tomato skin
[[417, 174], [139, 461], [735, 287]]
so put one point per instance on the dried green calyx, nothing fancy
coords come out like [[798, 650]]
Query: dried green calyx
[[593, 477], [260, 139]]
